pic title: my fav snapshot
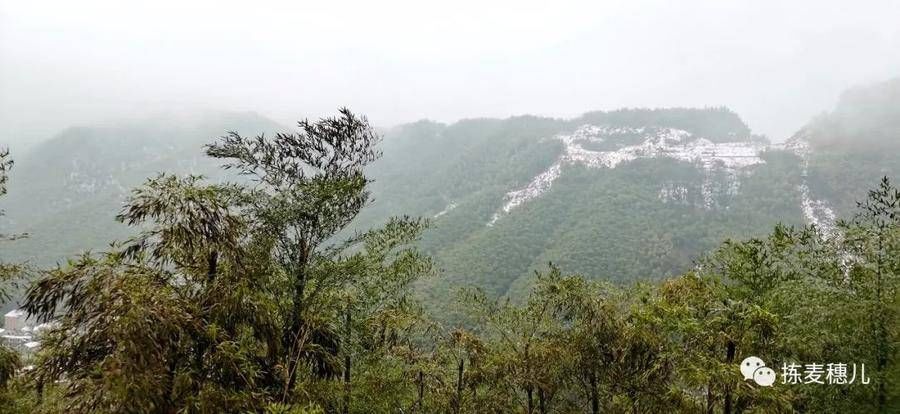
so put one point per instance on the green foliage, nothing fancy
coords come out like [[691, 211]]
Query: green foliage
[[5, 165], [872, 246], [66, 189], [121, 319], [256, 295], [586, 222], [232, 295], [9, 359]]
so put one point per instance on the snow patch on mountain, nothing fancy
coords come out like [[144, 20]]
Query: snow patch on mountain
[[729, 157], [815, 212], [673, 193], [446, 210], [87, 178]]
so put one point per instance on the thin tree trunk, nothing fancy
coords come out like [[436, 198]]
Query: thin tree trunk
[[296, 322], [212, 265], [420, 403], [595, 399], [347, 360], [882, 326], [170, 384], [457, 402], [529, 392], [729, 358], [39, 390], [710, 400], [542, 401], [529, 389]]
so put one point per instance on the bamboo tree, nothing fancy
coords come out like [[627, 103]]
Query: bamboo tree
[[310, 186], [9, 359], [873, 237]]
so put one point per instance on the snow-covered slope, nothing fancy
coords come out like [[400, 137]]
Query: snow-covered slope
[[728, 157], [815, 212]]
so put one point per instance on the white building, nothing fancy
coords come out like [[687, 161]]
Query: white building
[[14, 320]]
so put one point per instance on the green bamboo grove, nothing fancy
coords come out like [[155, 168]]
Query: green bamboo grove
[[249, 297]]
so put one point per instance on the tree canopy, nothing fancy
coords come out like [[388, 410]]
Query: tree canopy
[[249, 296]]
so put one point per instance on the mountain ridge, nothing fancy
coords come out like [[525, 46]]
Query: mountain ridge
[[625, 195]]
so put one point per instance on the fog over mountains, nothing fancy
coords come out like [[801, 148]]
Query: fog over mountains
[[775, 63], [513, 206], [622, 195]]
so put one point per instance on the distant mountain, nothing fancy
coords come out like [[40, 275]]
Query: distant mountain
[[624, 195], [66, 191], [858, 140], [865, 118]]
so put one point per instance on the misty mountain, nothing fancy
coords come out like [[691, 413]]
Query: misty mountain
[[66, 191], [624, 195], [866, 117], [858, 140]]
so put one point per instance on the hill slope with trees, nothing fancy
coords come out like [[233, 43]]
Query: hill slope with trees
[[244, 295]]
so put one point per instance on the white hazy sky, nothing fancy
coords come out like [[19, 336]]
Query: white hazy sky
[[777, 63]]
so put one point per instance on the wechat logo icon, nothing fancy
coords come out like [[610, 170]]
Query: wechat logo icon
[[754, 368]]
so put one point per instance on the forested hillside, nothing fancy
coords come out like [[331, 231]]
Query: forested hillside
[[250, 293], [859, 139], [64, 192], [621, 196], [467, 207], [646, 217]]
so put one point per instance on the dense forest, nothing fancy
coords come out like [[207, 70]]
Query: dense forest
[[65, 191], [253, 295]]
